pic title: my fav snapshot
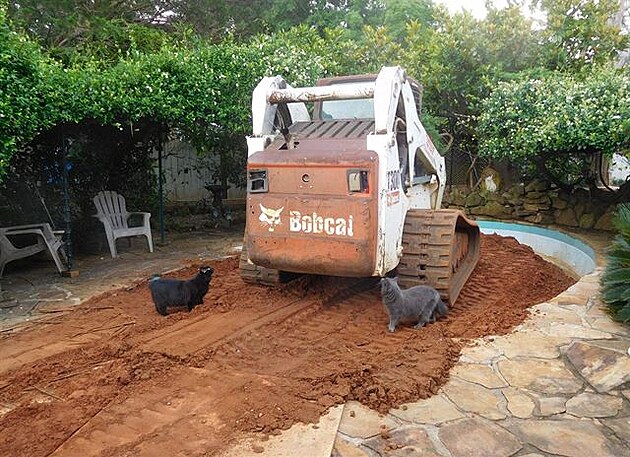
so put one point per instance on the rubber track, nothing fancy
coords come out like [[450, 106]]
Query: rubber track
[[440, 249], [254, 274]]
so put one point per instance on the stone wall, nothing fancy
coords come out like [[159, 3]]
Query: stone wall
[[536, 202]]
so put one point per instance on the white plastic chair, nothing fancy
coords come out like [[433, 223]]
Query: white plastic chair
[[112, 212], [47, 239]]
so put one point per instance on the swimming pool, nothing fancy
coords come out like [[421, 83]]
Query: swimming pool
[[575, 254]]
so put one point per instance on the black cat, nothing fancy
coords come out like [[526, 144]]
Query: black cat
[[175, 292]]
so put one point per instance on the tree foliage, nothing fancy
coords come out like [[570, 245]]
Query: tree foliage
[[581, 33], [558, 126], [21, 69], [102, 29], [191, 65]]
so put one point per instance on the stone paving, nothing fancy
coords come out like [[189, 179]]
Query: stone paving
[[557, 385]]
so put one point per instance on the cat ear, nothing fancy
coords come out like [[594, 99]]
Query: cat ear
[[262, 208]]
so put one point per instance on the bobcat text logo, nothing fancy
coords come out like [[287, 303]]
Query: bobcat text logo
[[270, 217], [314, 223]]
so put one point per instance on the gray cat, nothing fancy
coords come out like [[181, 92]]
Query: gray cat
[[420, 303]]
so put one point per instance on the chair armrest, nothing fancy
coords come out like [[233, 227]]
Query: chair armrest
[[145, 216], [24, 227], [30, 231]]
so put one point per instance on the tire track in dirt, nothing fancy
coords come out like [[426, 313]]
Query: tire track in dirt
[[151, 423], [54, 339], [189, 337]]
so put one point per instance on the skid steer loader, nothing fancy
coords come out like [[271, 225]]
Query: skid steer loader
[[350, 185]]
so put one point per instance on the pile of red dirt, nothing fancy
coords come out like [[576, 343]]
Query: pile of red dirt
[[115, 378]]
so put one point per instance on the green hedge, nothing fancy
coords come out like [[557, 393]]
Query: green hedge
[[555, 125], [185, 88]]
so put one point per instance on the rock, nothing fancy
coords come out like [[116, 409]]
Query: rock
[[479, 374], [545, 376], [517, 190], [622, 346], [536, 186], [589, 404], [513, 200], [405, 441], [587, 220], [579, 207], [534, 207], [621, 427], [458, 199], [548, 406], [573, 331], [522, 213], [547, 218], [492, 209], [559, 203], [605, 222], [571, 438], [455, 196], [578, 294], [518, 403], [474, 398], [474, 199], [484, 352], [550, 312], [433, 410], [493, 197], [478, 438], [541, 218], [345, 449], [604, 369], [535, 196], [529, 344], [566, 217], [606, 324], [361, 422]]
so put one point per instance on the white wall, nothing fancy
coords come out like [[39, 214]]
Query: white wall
[[186, 174]]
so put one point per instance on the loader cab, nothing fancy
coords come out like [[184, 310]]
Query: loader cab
[[360, 108]]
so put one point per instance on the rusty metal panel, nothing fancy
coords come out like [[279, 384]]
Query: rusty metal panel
[[312, 234], [331, 152], [313, 225]]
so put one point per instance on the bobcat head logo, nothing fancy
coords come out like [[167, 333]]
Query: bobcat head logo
[[270, 217]]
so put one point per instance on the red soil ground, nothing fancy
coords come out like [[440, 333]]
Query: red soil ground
[[114, 378]]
